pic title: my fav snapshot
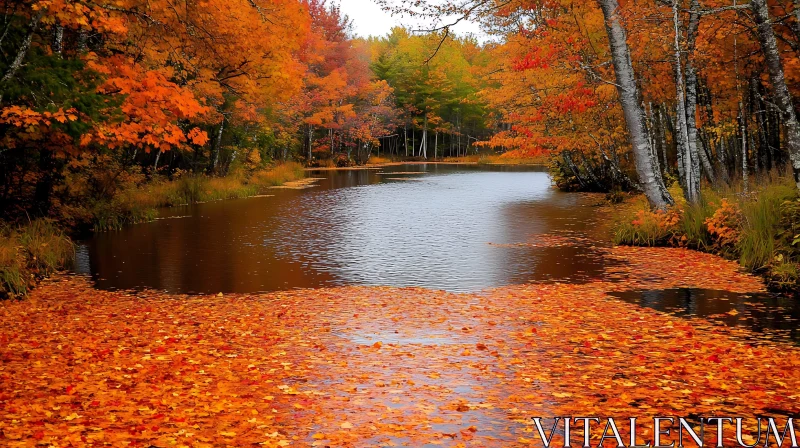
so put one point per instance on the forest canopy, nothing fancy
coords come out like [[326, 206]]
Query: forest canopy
[[95, 96]]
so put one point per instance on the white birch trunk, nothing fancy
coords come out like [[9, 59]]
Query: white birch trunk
[[686, 154], [23, 48], [423, 146], [650, 178], [783, 98]]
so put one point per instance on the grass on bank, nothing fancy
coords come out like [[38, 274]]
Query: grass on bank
[[377, 160], [29, 253], [38, 249], [760, 229], [140, 203]]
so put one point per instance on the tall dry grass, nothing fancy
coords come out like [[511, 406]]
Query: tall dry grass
[[29, 253], [760, 229], [140, 203]]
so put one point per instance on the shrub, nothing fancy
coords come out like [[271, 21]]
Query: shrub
[[139, 203], [761, 216], [375, 160], [761, 230], [648, 228], [725, 224], [278, 175]]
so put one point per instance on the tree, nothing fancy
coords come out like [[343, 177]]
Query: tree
[[783, 97], [645, 157]]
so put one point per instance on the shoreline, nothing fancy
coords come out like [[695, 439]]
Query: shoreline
[[418, 162], [348, 364]]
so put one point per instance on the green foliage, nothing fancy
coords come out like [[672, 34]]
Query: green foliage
[[761, 218], [29, 253], [693, 222], [442, 86], [48, 82]]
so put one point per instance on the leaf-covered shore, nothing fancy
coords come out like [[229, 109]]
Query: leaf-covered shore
[[361, 366]]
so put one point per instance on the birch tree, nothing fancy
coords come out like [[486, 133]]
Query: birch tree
[[783, 98], [644, 156]]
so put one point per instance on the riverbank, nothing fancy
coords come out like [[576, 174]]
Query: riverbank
[[373, 365], [760, 229], [476, 159], [36, 249], [139, 203], [31, 253]]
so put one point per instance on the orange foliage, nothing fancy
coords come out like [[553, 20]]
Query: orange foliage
[[724, 225], [664, 220], [152, 106]]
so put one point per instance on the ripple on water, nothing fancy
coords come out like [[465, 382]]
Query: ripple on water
[[358, 228]]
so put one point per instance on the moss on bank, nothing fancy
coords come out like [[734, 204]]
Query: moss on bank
[[760, 229]]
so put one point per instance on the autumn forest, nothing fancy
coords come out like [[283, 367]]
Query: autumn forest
[[252, 222]]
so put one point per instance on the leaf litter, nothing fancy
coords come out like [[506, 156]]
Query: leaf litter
[[377, 366]]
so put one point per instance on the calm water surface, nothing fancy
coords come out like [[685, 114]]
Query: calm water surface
[[761, 312], [451, 227], [435, 226]]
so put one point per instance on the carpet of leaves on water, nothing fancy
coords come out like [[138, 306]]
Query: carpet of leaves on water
[[373, 366]]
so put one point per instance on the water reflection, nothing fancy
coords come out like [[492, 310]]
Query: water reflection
[[778, 315], [366, 227]]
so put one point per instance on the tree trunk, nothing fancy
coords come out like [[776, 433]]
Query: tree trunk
[[783, 98], [83, 41], [765, 157], [23, 49], [58, 40], [722, 160], [684, 105], [423, 146], [310, 138], [697, 153], [413, 143], [662, 138], [708, 169], [217, 147], [652, 182], [745, 169], [405, 137]]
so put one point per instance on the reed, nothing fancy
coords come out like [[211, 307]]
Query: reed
[[140, 203], [30, 253]]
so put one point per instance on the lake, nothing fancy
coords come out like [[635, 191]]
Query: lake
[[460, 228], [450, 227]]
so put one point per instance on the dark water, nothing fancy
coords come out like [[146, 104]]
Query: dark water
[[359, 227], [452, 227], [776, 315]]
